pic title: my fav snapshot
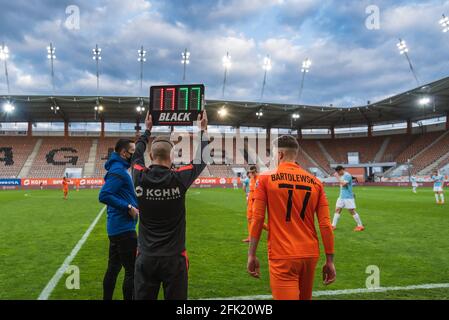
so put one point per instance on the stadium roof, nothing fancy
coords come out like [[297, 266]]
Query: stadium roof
[[399, 108]]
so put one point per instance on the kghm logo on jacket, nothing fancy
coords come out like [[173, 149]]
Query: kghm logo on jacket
[[158, 194]]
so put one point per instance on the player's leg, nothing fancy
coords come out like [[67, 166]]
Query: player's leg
[[114, 267], [146, 279], [175, 281], [306, 276], [355, 215], [283, 280], [441, 197], [437, 198], [338, 208], [127, 248]]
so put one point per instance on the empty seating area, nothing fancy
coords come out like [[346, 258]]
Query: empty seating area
[[222, 171], [104, 148], [366, 147], [313, 150], [398, 143], [303, 160], [432, 154], [56, 154], [14, 151]]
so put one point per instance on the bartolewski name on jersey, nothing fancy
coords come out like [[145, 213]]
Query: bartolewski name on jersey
[[158, 194], [292, 178]]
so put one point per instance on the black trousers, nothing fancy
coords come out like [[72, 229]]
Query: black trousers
[[171, 272], [122, 253]]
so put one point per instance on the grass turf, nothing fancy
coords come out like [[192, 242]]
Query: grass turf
[[406, 237]]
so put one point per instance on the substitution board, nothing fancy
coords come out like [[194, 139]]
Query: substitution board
[[176, 105]]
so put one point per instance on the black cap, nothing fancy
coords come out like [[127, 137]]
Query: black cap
[[338, 168]]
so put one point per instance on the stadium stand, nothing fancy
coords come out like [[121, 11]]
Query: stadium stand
[[419, 143], [56, 154], [312, 148], [223, 170], [397, 144], [14, 151], [104, 149], [437, 149], [366, 147]]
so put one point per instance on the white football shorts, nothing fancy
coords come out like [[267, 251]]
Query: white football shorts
[[345, 203]]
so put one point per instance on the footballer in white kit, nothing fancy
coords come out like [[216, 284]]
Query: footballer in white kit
[[438, 181], [346, 199], [414, 182]]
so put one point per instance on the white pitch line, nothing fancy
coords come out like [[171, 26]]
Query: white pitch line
[[60, 272], [428, 286]]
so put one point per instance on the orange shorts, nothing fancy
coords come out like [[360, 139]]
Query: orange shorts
[[292, 279], [66, 191]]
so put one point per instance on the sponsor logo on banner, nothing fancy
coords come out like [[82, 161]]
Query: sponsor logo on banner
[[50, 182], [9, 182]]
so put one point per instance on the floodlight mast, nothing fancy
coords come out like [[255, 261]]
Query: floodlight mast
[[97, 57], [304, 69], [185, 61], [141, 59], [444, 22], [226, 65], [403, 50], [266, 67], [4, 55], [51, 56]]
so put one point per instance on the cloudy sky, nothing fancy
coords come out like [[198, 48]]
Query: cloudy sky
[[351, 62]]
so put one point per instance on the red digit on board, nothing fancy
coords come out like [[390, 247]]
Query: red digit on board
[[172, 97], [162, 99]]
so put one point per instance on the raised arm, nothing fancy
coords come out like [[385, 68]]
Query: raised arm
[[188, 174], [141, 144]]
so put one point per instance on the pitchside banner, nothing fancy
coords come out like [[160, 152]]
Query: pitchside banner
[[98, 182], [50, 182], [9, 182], [176, 105]]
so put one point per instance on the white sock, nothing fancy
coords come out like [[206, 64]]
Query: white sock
[[335, 221], [357, 219], [414, 189], [442, 197], [436, 197]]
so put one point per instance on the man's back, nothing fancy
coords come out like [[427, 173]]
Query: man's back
[[161, 196], [292, 196]]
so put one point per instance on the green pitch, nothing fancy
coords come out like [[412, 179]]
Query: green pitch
[[406, 237]]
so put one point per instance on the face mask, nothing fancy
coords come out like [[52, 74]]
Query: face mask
[[130, 157]]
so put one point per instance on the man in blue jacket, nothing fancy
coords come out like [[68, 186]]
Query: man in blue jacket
[[122, 214]]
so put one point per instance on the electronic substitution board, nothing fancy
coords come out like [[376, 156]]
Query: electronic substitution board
[[176, 105]]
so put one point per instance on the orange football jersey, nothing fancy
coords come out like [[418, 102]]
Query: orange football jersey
[[292, 196]]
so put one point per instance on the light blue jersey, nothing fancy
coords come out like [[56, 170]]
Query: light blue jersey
[[438, 181], [346, 191], [246, 184]]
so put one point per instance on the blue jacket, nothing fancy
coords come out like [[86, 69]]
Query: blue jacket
[[117, 193]]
